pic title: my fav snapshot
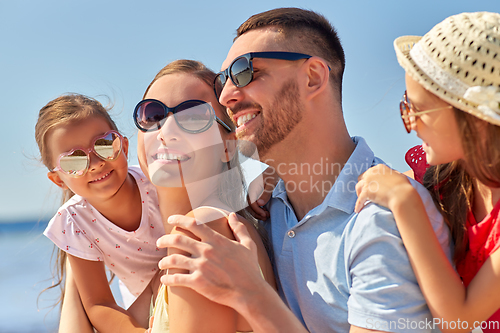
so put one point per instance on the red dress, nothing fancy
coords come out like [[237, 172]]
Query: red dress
[[483, 237]]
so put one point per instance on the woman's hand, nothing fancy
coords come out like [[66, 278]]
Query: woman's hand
[[220, 269], [381, 185]]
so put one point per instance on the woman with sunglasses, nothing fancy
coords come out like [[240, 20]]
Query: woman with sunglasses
[[110, 217], [453, 103], [187, 147]]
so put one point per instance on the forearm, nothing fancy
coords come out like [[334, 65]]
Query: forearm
[[97, 298], [73, 315], [265, 312], [440, 284], [112, 318]]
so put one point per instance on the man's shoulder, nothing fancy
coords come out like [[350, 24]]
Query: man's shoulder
[[371, 222], [376, 223]]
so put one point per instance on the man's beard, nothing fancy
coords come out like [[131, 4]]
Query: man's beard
[[276, 123]]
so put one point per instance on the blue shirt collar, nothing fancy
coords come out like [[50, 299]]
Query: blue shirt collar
[[342, 195]]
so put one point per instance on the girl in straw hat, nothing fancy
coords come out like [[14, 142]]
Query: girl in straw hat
[[453, 103]]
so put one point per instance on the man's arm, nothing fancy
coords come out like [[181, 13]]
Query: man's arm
[[356, 329], [384, 293], [226, 272]]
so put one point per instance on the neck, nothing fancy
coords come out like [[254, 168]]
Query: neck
[[128, 198], [202, 192], [321, 159], [485, 198], [172, 201]]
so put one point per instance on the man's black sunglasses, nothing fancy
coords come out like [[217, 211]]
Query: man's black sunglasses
[[241, 69]]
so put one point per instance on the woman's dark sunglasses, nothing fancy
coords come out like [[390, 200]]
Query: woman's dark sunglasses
[[193, 116], [241, 69]]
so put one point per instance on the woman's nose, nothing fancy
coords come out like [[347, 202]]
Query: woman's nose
[[170, 130]]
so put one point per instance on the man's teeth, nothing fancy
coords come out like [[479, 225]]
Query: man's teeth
[[172, 157], [101, 177], [246, 118]]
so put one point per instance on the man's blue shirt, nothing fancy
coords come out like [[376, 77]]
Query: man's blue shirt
[[336, 268]]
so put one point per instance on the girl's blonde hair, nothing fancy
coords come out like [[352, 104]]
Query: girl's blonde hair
[[64, 110], [451, 184]]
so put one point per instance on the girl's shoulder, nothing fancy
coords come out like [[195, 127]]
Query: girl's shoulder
[[76, 204], [139, 176], [146, 188]]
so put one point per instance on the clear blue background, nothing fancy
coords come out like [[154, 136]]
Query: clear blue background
[[114, 49]]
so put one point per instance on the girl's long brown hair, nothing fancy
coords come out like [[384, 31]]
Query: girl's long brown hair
[[452, 184]]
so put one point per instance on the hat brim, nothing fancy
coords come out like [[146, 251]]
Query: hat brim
[[403, 46]]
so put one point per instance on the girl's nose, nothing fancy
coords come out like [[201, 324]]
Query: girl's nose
[[95, 162], [413, 123]]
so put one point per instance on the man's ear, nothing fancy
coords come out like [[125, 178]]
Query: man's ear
[[54, 177], [230, 148], [318, 74]]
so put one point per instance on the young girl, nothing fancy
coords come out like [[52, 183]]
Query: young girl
[[453, 103], [113, 218], [186, 146]]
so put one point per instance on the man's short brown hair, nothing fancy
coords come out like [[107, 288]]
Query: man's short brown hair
[[303, 31]]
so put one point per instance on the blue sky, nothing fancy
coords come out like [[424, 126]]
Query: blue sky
[[111, 50]]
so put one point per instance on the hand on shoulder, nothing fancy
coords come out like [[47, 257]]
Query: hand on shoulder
[[383, 186]]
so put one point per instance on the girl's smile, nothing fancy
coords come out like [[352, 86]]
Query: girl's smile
[[103, 179]]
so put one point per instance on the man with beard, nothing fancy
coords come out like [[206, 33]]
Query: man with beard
[[336, 270]]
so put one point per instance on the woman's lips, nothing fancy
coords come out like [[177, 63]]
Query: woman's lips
[[170, 156]]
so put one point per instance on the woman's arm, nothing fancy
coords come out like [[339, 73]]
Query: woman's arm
[[226, 272], [97, 299], [446, 296], [189, 311]]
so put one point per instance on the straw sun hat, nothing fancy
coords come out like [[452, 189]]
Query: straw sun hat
[[458, 61]]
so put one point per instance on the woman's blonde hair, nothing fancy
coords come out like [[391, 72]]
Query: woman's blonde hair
[[451, 184], [64, 110]]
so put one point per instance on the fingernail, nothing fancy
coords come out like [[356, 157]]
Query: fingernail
[[261, 202], [170, 219]]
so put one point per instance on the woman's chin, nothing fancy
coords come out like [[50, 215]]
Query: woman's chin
[[162, 178]]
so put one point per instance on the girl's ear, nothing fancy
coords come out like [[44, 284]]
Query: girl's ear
[[230, 148], [54, 177]]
